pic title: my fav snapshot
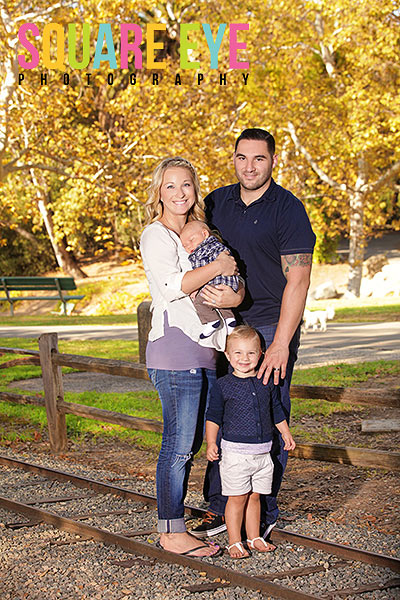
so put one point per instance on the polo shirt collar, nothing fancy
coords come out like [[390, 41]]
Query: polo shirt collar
[[267, 195]]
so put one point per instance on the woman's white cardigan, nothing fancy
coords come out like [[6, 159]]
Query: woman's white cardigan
[[165, 263]]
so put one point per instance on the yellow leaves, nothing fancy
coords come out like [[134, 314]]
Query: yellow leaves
[[107, 138]]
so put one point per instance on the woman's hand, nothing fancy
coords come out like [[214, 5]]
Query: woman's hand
[[227, 264], [222, 296], [194, 279]]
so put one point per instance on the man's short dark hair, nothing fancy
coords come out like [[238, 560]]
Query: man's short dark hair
[[257, 134]]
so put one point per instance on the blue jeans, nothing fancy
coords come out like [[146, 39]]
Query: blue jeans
[[212, 482], [184, 397]]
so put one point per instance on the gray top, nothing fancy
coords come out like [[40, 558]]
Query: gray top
[[175, 351]]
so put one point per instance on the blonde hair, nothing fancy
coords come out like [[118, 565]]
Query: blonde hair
[[154, 207], [243, 332]]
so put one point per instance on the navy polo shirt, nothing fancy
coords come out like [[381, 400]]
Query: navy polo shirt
[[258, 235]]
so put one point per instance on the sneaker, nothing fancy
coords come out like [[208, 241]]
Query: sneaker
[[211, 525], [265, 529]]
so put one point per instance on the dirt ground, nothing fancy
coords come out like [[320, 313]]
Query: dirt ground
[[344, 428]]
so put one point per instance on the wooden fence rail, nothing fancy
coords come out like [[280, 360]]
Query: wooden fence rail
[[373, 397], [89, 412], [51, 362]]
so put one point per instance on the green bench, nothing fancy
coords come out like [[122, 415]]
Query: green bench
[[35, 284]]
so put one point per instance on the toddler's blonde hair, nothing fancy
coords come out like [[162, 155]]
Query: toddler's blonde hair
[[243, 332]]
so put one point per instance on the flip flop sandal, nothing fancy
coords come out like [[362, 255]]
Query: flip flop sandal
[[239, 546], [268, 547], [217, 552]]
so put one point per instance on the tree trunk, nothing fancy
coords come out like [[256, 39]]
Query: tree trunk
[[357, 238], [21, 231], [64, 259], [356, 249], [9, 80]]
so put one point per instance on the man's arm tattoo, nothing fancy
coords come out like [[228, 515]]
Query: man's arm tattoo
[[295, 260]]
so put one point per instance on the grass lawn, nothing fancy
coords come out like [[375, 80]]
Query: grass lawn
[[38, 320], [354, 314], [28, 422], [361, 310]]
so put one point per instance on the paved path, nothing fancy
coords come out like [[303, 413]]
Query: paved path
[[74, 332], [350, 342]]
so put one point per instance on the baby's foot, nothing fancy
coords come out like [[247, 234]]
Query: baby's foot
[[209, 329], [231, 324]]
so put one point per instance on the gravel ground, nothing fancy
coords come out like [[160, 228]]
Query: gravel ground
[[33, 568]]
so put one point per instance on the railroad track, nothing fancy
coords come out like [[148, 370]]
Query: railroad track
[[66, 492]]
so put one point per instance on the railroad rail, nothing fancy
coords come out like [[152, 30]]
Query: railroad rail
[[263, 582]]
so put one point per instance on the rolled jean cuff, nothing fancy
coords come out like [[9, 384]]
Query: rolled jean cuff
[[171, 526]]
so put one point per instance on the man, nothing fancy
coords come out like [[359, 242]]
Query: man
[[270, 235]]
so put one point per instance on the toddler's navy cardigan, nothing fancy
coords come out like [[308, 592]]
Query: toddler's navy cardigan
[[245, 408]]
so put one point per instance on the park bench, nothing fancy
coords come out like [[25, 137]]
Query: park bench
[[36, 284]]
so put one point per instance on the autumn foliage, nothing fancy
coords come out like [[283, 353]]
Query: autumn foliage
[[75, 159]]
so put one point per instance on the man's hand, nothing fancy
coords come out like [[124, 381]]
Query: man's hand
[[296, 268], [275, 360], [222, 296], [212, 451]]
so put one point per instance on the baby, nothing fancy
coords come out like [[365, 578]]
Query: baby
[[203, 248], [247, 411]]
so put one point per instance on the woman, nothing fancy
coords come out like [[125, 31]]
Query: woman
[[181, 369]]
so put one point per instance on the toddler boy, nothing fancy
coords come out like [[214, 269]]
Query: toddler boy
[[246, 410]]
